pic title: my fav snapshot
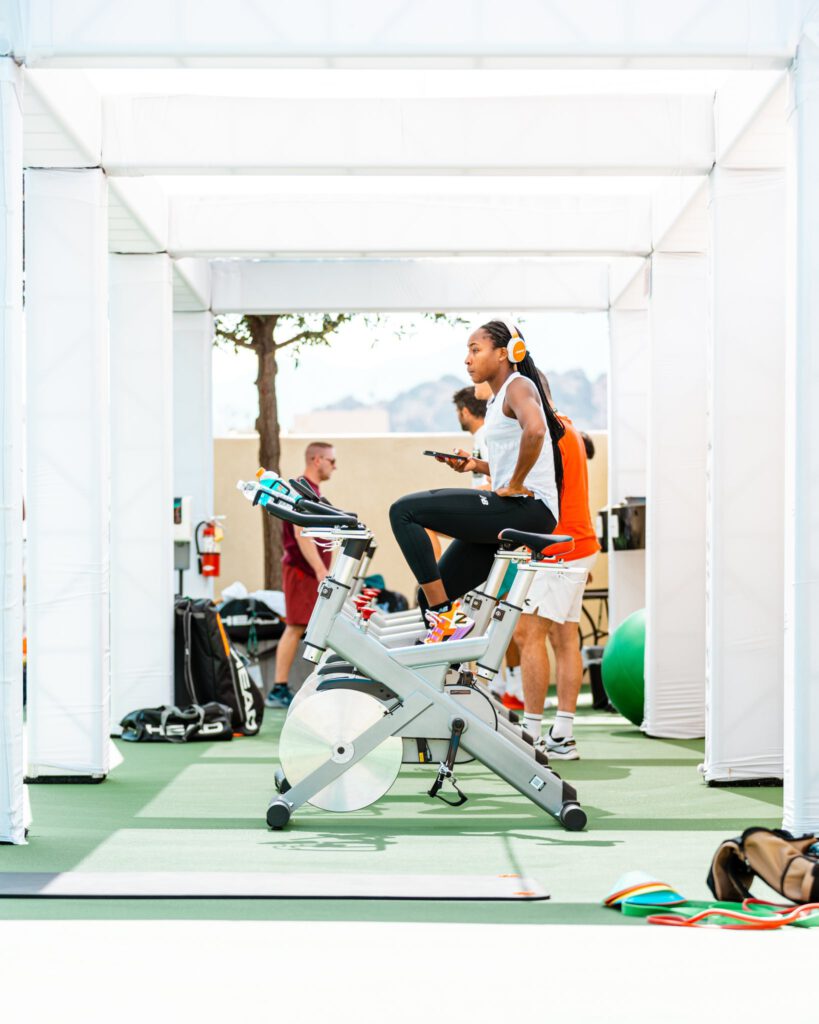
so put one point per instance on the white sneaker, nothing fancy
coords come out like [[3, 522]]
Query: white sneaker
[[558, 750]]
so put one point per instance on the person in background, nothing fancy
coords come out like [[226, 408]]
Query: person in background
[[554, 604], [304, 566], [471, 412]]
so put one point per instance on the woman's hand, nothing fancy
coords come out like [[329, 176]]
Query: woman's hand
[[464, 465], [514, 491]]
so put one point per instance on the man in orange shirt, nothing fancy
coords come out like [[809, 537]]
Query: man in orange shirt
[[553, 608]]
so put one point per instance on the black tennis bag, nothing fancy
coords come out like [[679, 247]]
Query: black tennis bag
[[178, 725], [208, 669]]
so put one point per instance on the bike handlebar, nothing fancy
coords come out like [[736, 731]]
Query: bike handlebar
[[300, 512]]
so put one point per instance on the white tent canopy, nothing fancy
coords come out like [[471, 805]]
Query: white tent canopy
[[363, 33], [519, 161]]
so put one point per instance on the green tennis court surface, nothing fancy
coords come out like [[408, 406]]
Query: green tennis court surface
[[200, 808]]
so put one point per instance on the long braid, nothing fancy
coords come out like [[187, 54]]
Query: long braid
[[501, 336]]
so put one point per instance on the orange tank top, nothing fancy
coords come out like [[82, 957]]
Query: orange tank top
[[575, 515]]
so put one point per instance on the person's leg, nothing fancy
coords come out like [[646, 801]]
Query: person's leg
[[435, 541], [569, 665], [465, 565], [472, 516], [286, 651], [531, 634], [560, 741]]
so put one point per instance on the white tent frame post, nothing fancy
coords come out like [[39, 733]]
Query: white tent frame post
[[675, 499], [193, 427], [745, 509], [141, 489], [12, 793], [629, 353], [801, 770], [68, 474]]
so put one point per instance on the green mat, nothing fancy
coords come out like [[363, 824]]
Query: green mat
[[200, 808]]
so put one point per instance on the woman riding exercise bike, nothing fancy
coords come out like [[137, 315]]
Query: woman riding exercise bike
[[526, 474]]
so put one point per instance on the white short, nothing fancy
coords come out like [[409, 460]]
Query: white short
[[557, 591]]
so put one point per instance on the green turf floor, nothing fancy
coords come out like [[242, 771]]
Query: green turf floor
[[201, 808]]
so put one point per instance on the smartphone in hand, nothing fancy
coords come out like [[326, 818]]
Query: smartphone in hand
[[448, 455]]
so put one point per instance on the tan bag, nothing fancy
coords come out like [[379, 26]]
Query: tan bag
[[787, 865]]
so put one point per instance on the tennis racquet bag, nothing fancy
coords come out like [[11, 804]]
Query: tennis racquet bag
[[207, 669]]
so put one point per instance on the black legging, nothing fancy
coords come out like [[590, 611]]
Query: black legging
[[474, 519]]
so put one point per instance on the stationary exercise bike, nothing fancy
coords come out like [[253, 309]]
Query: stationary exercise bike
[[341, 749]]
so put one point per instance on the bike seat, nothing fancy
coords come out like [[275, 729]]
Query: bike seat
[[542, 545]]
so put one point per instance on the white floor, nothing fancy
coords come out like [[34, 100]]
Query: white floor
[[354, 973]]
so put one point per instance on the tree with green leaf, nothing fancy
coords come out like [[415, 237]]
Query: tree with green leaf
[[267, 335]]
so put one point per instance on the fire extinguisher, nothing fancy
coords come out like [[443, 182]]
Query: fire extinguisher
[[208, 537]]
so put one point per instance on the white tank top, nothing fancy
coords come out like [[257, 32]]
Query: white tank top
[[503, 436]]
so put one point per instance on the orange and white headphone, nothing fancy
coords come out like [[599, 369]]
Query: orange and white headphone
[[516, 348]]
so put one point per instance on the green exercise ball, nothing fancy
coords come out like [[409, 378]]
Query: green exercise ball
[[623, 667]]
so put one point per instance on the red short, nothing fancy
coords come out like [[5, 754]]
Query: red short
[[300, 595]]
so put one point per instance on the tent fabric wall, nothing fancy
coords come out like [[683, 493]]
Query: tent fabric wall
[[675, 499], [745, 507], [12, 816], [193, 425], [801, 795], [628, 397], [68, 472], [141, 490]]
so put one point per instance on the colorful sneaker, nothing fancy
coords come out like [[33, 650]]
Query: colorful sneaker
[[453, 624], [511, 702], [279, 697], [560, 750]]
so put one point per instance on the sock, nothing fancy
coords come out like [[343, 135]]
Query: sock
[[445, 607], [533, 724], [563, 726], [515, 684]]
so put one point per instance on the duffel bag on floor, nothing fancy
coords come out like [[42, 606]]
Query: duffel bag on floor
[[788, 864], [179, 725]]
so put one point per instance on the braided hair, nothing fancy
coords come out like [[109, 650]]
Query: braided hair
[[501, 336]]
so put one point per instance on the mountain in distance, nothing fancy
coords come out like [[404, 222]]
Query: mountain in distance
[[428, 407]]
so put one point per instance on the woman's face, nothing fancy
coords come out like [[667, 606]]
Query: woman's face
[[483, 360]]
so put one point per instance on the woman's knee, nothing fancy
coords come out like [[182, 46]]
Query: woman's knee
[[406, 510], [400, 512]]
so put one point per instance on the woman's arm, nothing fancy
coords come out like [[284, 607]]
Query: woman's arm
[[523, 401]]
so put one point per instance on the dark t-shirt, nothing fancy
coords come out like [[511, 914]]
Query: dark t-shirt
[[292, 551]]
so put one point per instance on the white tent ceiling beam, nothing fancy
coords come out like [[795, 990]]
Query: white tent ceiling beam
[[630, 283], [395, 33], [244, 286], [62, 121], [137, 216], [761, 143], [560, 134], [408, 225], [191, 285]]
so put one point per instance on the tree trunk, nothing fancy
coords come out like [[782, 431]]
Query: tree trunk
[[263, 328]]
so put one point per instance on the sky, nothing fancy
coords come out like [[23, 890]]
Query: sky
[[374, 365]]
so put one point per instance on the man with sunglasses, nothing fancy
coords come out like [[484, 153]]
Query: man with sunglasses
[[304, 566]]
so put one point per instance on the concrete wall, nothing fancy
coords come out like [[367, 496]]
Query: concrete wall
[[372, 472]]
